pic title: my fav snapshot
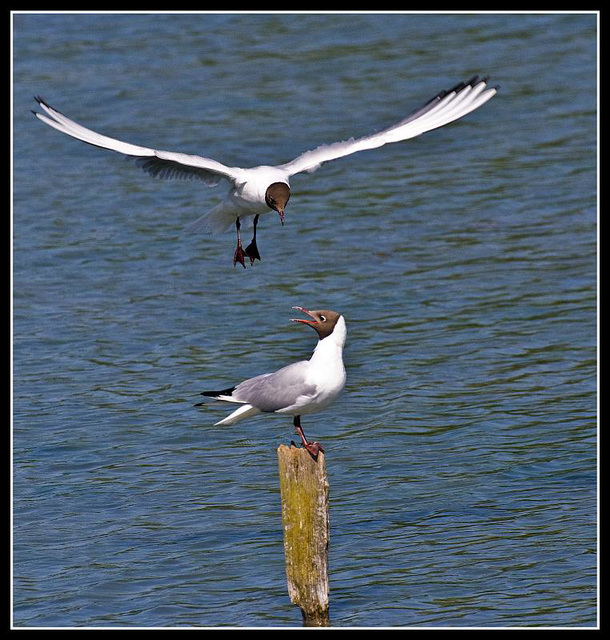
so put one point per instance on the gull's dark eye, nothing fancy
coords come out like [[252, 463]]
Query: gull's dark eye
[[323, 318]]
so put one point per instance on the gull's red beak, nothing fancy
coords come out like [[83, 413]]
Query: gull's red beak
[[309, 322], [281, 212]]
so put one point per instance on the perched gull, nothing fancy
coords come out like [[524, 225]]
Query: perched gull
[[300, 388], [264, 188]]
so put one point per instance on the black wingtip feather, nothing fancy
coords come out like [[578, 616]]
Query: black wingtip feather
[[472, 81], [456, 88], [215, 394]]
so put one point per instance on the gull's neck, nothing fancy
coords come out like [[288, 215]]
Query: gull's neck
[[332, 345]]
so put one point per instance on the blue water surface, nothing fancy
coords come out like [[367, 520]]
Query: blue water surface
[[462, 456]]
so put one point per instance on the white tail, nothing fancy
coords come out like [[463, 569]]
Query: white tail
[[245, 411], [213, 221]]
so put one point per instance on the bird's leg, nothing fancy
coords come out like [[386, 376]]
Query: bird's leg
[[252, 249], [239, 254], [313, 447]]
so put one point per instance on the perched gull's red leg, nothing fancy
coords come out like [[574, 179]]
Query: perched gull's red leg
[[239, 254], [313, 447], [252, 249]]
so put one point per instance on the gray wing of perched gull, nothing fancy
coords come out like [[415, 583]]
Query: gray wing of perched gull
[[275, 391]]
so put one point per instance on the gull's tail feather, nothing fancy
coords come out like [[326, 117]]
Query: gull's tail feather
[[245, 411], [217, 220]]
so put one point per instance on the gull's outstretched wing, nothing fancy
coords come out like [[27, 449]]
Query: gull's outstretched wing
[[161, 164], [444, 108]]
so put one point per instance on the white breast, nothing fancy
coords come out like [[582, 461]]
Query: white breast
[[254, 188], [326, 370]]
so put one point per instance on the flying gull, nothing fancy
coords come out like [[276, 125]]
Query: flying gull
[[267, 188]]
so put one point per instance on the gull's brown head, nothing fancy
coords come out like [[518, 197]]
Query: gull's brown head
[[277, 196], [322, 320]]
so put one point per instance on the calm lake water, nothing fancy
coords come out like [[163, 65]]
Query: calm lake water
[[462, 455]]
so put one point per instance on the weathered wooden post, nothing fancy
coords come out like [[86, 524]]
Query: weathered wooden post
[[304, 491]]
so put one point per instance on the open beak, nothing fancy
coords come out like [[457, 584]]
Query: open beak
[[309, 322]]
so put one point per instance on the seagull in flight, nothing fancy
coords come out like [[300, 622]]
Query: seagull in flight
[[266, 188], [300, 388]]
